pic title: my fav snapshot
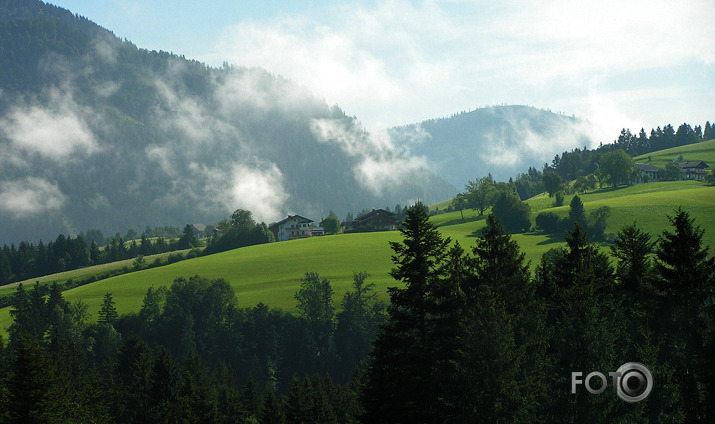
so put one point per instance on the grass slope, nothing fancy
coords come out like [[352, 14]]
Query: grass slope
[[81, 273], [704, 151], [271, 273]]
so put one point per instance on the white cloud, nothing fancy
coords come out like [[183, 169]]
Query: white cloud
[[53, 131], [29, 196], [381, 165], [395, 62], [258, 189]]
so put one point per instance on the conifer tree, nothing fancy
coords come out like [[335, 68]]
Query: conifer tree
[[405, 381], [271, 410], [687, 280], [504, 334], [30, 382], [108, 313]]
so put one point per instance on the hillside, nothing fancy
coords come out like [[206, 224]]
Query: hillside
[[704, 151], [96, 133], [501, 140], [270, 273]]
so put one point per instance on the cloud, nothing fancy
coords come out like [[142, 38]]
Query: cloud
[[211, 154], [258, 189], [29, 196], [53, 131], [394, 62], [381, 165]]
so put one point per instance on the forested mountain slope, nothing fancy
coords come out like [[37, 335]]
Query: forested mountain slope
[[96, 133], [501, 140]]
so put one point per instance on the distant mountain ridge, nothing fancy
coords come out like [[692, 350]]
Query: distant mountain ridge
[[96, 133], [501, 140]]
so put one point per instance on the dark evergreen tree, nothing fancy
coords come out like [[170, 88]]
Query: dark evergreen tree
[[30, 383], [271, 410], [577, 213], [406, 379], [165, 404], [576, 284], [108, 313], [357, 323], [634, 270], [687, 280], [188, 239], [503, 342]]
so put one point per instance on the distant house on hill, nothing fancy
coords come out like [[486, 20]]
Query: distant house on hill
[[694, 170], [294, 227], [648, 172], [376, 220], [199, 230]]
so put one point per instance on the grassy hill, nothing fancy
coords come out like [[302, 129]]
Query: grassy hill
[[704, 151], [271, 273]]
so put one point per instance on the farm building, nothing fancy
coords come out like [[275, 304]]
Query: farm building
[[693, 170], [295, 226], [648, 172], [376, 220]]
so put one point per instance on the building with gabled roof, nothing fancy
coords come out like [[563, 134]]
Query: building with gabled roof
[[295, 226], [375, 220], [648, 171], [694, 170]]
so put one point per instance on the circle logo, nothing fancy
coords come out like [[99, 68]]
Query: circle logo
[[634, 382]]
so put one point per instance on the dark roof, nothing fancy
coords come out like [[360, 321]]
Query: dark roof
[[647, 168], [301, 219], [373, 213], [693, 164]]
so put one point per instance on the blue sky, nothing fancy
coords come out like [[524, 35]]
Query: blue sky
[[618, 63]]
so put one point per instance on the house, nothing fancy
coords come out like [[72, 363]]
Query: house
[[693, 170], [376, 220], [295, 226], [648, 172], [199, 230]]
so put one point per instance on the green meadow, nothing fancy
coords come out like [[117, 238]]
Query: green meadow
[[270, 273], [82, 273], [704, 151]]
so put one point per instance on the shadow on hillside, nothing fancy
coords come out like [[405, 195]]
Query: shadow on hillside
[[550, 238]]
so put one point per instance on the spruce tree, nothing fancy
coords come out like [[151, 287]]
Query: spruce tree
[[271, 410], [503, 340], [406, 379], [31, 381], [108, 313], [632, 248], [687, 281]]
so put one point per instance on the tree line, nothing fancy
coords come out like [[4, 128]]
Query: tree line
[[468, 336], [189, 355], [67, 253], [608, 165], [473, 337]]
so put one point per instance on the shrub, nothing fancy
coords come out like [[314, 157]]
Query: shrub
[[547, 222], [513, 214], [559, 199]]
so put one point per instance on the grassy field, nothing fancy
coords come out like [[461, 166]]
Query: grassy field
[[704, 151], [271, 273]]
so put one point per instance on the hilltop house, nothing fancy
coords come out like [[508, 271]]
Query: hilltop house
[[376, 220], [199, 230], [648, 172], [693, 170], [295, 226]]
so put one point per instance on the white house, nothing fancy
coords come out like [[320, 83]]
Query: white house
[[295, 226]]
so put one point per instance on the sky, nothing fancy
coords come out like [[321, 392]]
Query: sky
[[617, 63]]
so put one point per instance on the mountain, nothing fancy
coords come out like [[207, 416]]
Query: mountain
[[96, 133], [501, 140]]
